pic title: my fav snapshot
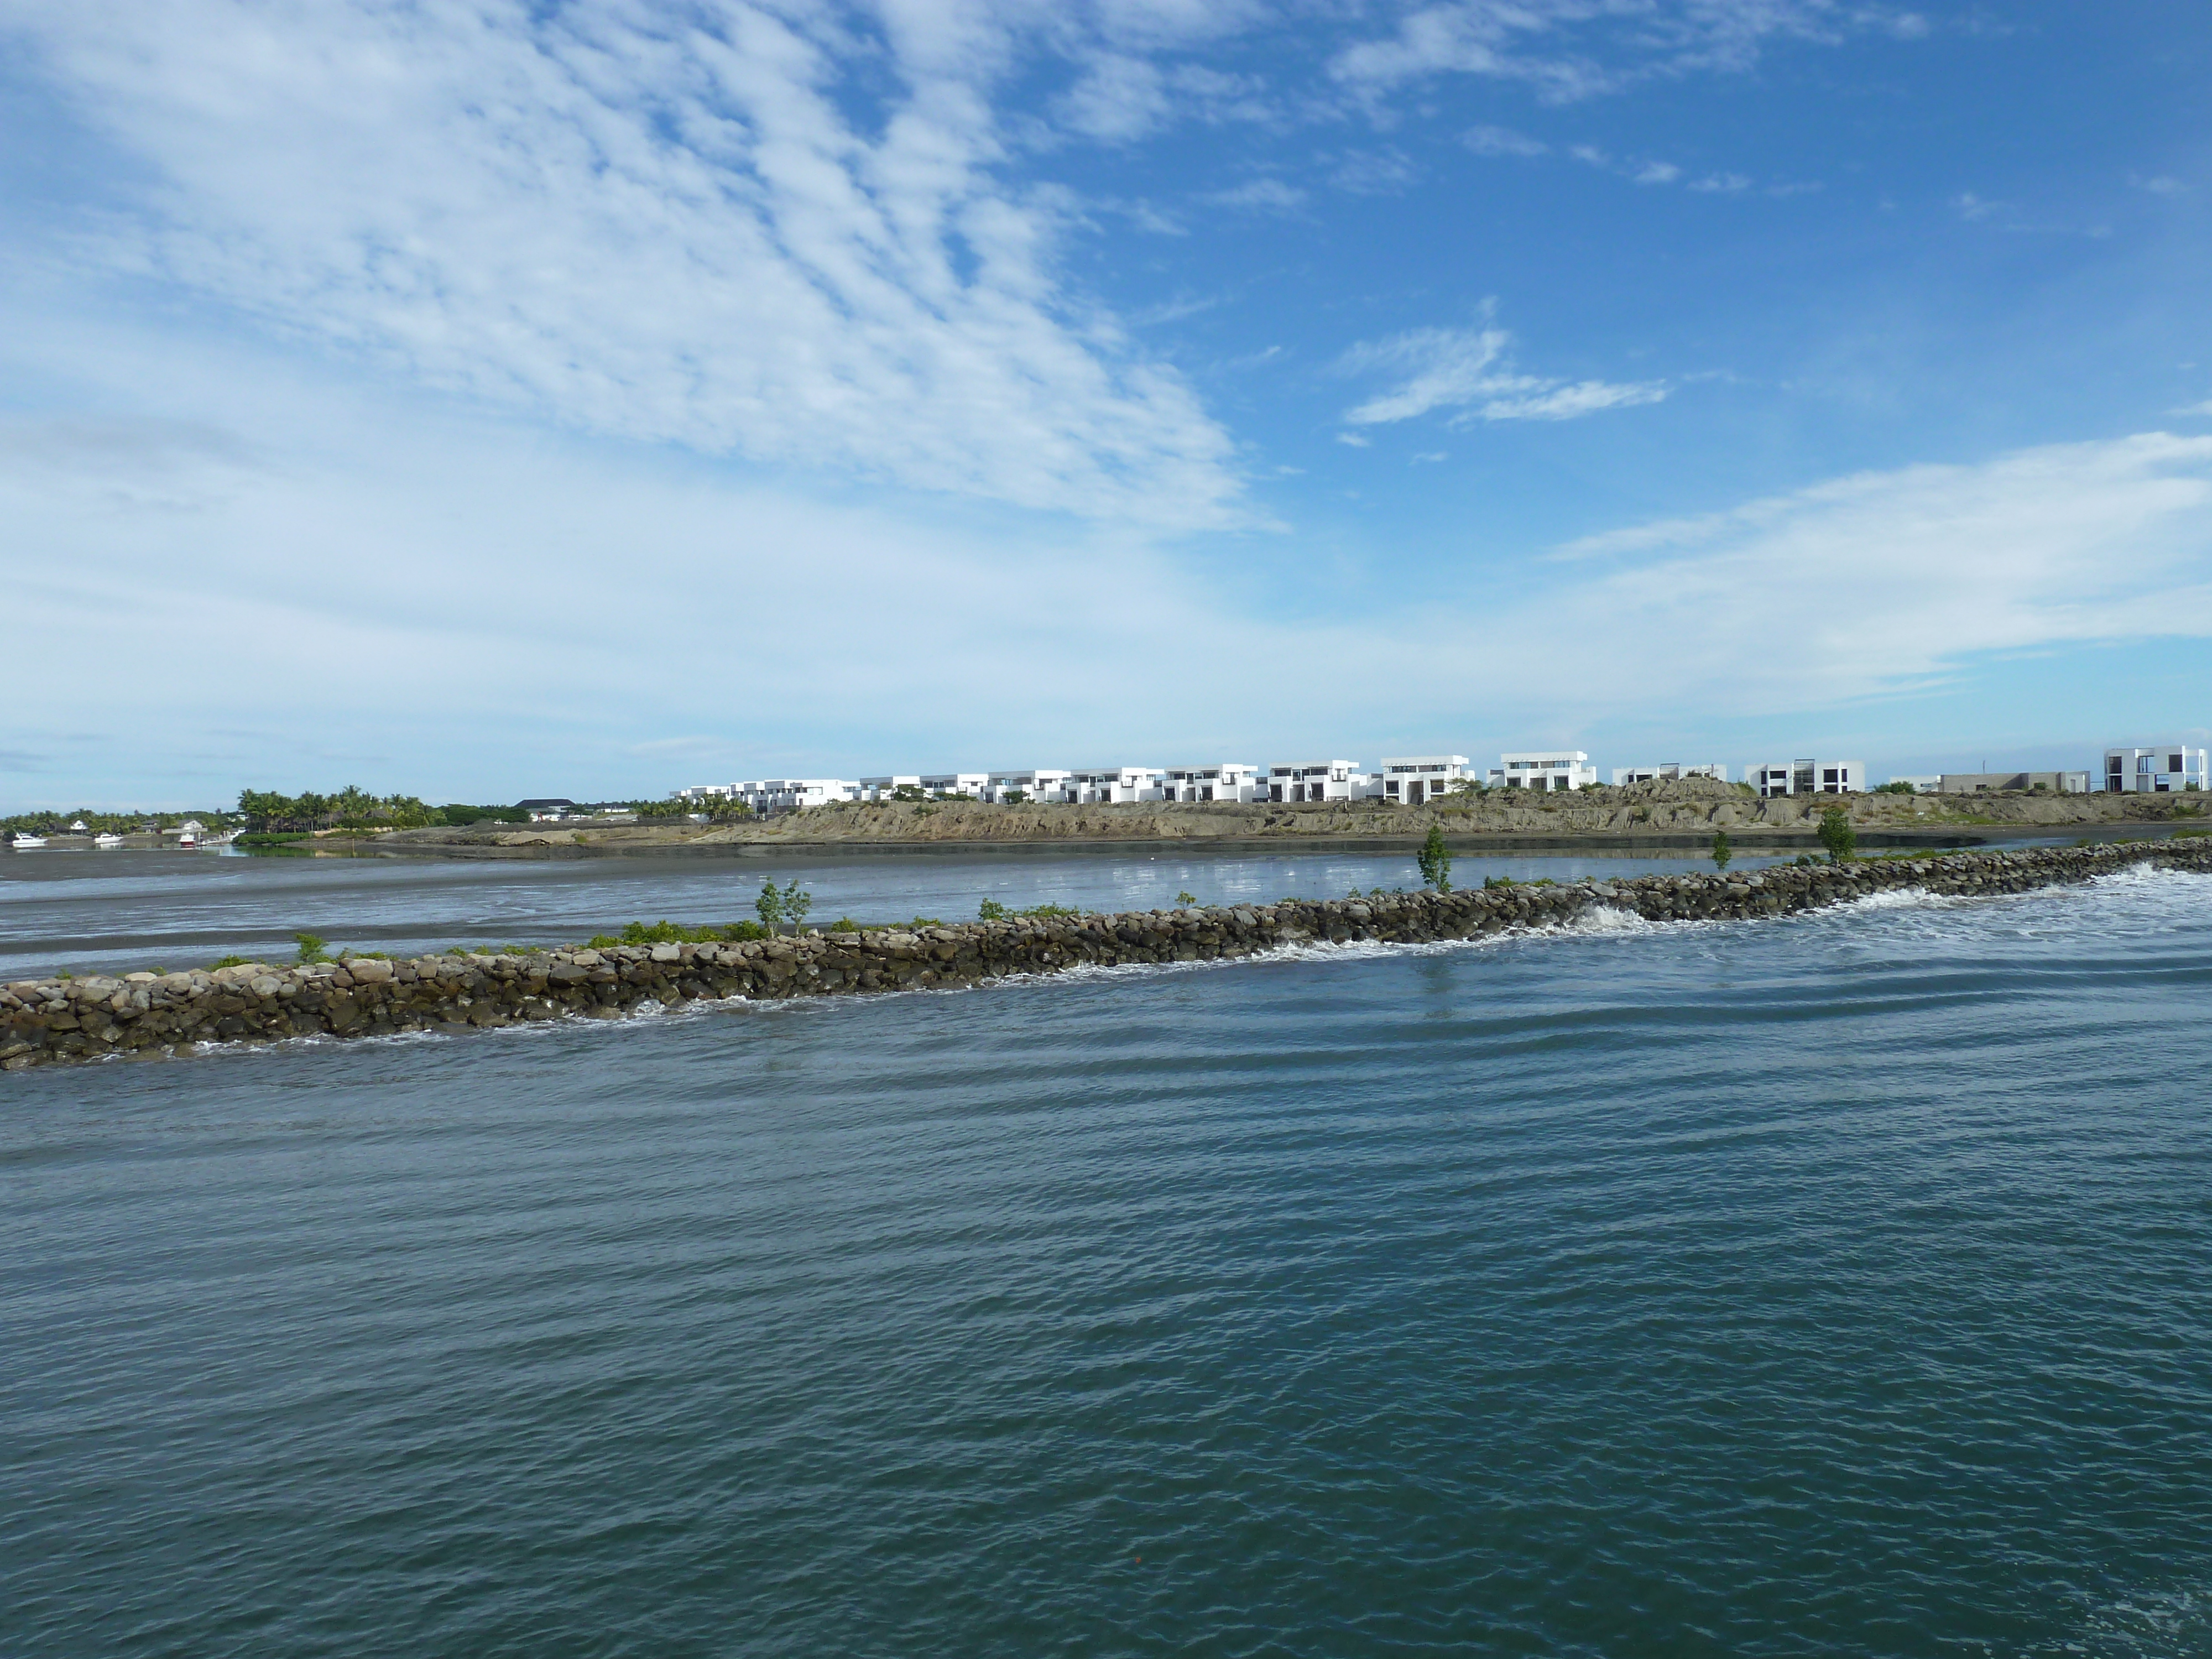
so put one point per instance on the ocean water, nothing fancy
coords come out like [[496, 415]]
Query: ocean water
[[114, 912], [1840, 1284]]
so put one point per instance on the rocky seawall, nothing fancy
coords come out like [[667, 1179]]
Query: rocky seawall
[[150, 1016]]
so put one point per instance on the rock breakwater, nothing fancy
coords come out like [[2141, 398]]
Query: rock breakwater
[[151, 1016]]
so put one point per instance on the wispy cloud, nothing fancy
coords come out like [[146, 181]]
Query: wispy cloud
[[670, 226], [1574, 49], [2069, 543], [1470, 370], [1269, 195], [1502, 141]]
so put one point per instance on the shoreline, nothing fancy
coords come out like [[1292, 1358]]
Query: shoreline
[[149, 1016]]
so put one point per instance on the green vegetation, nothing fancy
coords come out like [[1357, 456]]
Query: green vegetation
[[1899, 787], [1489, 882], [268, 838], [1838, 835], [220, 961], [456, 815], [1015, 797], [1186, 899], [1434, 860], [110, 824], [313, 947], [990, 910], [778, 905], [1722, 851], [667, 933]]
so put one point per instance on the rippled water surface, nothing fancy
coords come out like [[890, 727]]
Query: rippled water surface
[[1834, 1285]]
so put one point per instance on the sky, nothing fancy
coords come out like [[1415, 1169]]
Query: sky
[[481, 400]]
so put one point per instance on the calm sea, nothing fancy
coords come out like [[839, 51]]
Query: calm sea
[[1834, 1285]]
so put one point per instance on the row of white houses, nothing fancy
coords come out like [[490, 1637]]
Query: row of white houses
[[1409, 779]]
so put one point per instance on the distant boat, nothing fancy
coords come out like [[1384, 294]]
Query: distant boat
[[23, 840], [106, 840], [188, 839]]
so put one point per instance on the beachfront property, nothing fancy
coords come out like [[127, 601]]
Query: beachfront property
[[887, 787], [1222, 780], [552, 809], [1330, 780], [2167, 768], [1807, 777], [1409, 779], [1035, 783], [1096, 785], [1990, 783], [1543, 769], [955, 783], [1668, 769]]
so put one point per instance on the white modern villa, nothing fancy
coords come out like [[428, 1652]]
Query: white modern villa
[[1807, 777], [1669, 769], [1329, 779], [2167, 768], [1219, 781], [1543, 769], [1409, 779]]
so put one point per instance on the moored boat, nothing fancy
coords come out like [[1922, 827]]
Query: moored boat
[[106, 839], [23, 842]]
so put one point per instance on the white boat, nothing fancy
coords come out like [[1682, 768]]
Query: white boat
[[23, 842], [186, 840], [105, 839]]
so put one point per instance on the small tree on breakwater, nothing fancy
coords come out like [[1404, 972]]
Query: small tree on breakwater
[[1435, 860], [1838, 835], [1722, 851]]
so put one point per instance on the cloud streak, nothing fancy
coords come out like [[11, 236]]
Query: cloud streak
[[1470, 370], [656, 221]]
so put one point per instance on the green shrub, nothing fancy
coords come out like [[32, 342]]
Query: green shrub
[[990, 910], [1186, 899], [1838, 835], [313, 948], [844, 925], [1434, 860], [1722, 851]]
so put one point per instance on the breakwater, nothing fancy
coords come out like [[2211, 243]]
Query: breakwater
[[146, 1015]]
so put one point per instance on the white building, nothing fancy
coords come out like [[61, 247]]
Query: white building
[[1543, 769], [955, 783], [1808, 777], [1221, 780], [2167, 768], [1923, 783], [1409, 779], [1669, 769], [1034, 784], [1333, 779], [884, 789], [1099, 784], [795, 794]]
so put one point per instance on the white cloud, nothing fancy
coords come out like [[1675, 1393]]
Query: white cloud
[[1883, 581], [1260, 196], [2162, 184], [1573, 49], [1468, 369], [1724, 184], [657, 222], [1657, 173], [1502, 141], [1118, 97], [2202, 409]]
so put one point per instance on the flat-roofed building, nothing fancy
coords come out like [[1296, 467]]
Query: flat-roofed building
[[1104, 785], [1330, 779], [887, 787], [1992, 783], [2163, 769], [955, 783], [1216, 780], [796, 794], [1668, 770], [1409, 779], [1807, 777], [1032, 783], [1543, 769]]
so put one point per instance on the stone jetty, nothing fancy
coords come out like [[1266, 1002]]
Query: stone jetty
[[150, 1016]]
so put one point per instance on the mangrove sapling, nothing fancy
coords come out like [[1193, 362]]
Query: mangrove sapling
[[313, 948], [1186, 899], [1722, 851], [1838, 835], [1434, 860], [990, 910]]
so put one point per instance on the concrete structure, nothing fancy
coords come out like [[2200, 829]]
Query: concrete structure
[[886, 787], [1668, 769], [2167, 768], [955, 783], [796, 794], [1808, 777], [1409, 779], [549, 810], [1218, 780], [1987, 783], [1035, 783], [1543, 769], [1923, 784], [1332, 779], [1099, 784]]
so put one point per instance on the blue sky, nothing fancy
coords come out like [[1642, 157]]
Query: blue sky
[[484, 400]]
